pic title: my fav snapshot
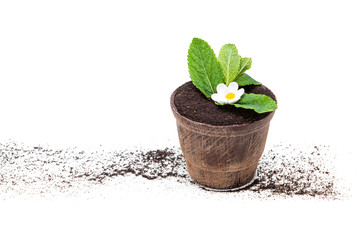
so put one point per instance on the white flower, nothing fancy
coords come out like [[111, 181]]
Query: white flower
[[227, 94]]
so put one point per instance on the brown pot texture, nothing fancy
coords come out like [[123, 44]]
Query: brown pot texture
[[221, 157]]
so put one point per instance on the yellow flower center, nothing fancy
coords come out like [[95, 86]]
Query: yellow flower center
[[230, 96]]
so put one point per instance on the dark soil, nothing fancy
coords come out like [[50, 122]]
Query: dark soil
[[192, 104]]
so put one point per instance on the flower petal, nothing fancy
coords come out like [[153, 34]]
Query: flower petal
[[240, 91], [215, 97], [221, 88], [218, 98], [233, 86]]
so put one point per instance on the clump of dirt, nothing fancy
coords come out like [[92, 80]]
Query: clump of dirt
[[284, 170]]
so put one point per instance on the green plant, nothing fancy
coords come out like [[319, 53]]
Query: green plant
[[220, 78]]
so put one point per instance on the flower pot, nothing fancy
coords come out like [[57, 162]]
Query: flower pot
[[221, 157]]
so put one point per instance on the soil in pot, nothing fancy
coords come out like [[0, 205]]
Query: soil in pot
[[192, 104]]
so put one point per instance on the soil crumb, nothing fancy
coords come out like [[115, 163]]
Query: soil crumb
[[284, 170]]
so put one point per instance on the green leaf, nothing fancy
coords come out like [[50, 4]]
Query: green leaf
[[244, 79], [245, 64], [258, 102], [229, 60], [205, 71]]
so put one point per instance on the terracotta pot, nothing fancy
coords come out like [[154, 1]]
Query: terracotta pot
[[221, 157]]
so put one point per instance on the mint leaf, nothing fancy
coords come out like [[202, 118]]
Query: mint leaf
[[205, 71], [229, 60], [245, 64], [244, 79], [258, 102]]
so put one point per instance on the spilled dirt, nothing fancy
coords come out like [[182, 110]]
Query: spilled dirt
[[283, 170]]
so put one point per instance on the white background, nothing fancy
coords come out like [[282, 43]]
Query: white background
[[102, 72]]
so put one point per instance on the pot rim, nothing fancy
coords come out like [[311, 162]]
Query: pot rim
[[208, 129]]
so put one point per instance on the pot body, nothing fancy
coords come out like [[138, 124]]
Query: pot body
[[221, 157]]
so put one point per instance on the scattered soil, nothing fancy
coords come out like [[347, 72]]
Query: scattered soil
[[284, 170], [192, 104], [303, 173]]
